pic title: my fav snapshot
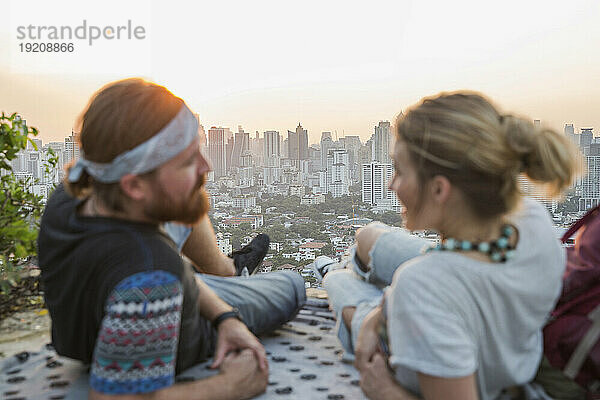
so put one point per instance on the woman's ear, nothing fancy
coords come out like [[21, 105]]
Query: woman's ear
[[440, 189]]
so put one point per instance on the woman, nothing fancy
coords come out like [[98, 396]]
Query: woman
[[461, 320]]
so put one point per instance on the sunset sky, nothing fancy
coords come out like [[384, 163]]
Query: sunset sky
[[331, 65]]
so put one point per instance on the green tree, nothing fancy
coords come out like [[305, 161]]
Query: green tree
[[21, 209], [390, 218]]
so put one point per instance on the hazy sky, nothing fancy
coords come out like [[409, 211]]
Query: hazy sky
[[331, 65]]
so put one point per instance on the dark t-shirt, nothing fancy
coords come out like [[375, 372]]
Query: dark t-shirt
[[83, 259]]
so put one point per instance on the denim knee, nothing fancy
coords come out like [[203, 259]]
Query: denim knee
[[298, 284]]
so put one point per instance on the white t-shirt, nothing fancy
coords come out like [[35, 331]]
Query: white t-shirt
[[452, 316]]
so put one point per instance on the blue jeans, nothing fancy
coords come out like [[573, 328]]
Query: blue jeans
[[350, 287], [265, 301]]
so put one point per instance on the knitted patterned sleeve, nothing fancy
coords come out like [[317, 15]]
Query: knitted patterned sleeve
[[137, 343]]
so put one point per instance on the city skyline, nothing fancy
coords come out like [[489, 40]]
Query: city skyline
[[246, 165], [331, 67]]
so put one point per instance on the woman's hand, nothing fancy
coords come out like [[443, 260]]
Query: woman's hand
[[367, 343], [377, 382]]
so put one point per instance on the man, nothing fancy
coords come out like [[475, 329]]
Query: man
[[120, 296]]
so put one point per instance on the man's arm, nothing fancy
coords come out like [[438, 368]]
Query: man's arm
[[136, 348], [232, 334], [201, 248], [239, 379]]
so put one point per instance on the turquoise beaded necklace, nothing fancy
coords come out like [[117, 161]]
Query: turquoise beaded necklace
[[499, 250]]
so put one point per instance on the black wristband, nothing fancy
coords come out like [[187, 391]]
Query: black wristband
[[234, 313]]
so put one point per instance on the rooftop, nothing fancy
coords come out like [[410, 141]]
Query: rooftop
[[305, 362]]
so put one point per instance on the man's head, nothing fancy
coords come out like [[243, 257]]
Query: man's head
[[140, 146], [176, 187]]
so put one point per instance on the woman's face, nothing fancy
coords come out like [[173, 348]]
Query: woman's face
[[407, 187]]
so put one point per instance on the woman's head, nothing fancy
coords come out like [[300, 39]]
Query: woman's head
[[461, 136]]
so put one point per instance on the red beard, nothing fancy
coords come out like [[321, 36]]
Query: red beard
[[187, 211]]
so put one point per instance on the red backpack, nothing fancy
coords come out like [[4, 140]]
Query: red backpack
[[571, 337]]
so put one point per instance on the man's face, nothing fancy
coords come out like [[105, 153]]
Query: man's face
[[178, 192]]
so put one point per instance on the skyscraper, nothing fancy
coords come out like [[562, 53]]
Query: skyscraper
[[352, 144], [292, 145], [326, 144], [216, 151], [570, 133], [381, 142], [71, 149], [590, 193], [59, 152], [338, 172], [257, 149], [586, 137], [241, 144], [272, 145], [375, 180], [298, 145], [302, 135]]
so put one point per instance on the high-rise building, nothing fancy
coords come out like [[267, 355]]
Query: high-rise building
[[302, 135], [59, 151], [240, 146], [272, 175], [381, 143], [375, 185], [366, 152], [298, 144], [36, 145], [292, 145], [352, 144], [216, 151], [19, 163], [326, 144], [34, 164], [314, 158], [201, 131], [590, 184], [338, 172], [71, 149], [272, 146], [586, 137], [245, 171], [257, 148], [570, 133]]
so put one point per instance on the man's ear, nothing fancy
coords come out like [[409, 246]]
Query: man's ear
[[440, 189], [133, 186]]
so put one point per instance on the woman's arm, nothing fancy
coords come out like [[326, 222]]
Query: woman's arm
[[367, 343], [436, 388], [378, 383]]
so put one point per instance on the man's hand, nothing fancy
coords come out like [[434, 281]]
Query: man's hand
[[242, 375], [234, 335], [367, 344]]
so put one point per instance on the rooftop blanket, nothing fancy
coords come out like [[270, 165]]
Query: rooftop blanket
[[304, 363]]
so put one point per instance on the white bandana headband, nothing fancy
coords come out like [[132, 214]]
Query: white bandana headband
[[171, 140]]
